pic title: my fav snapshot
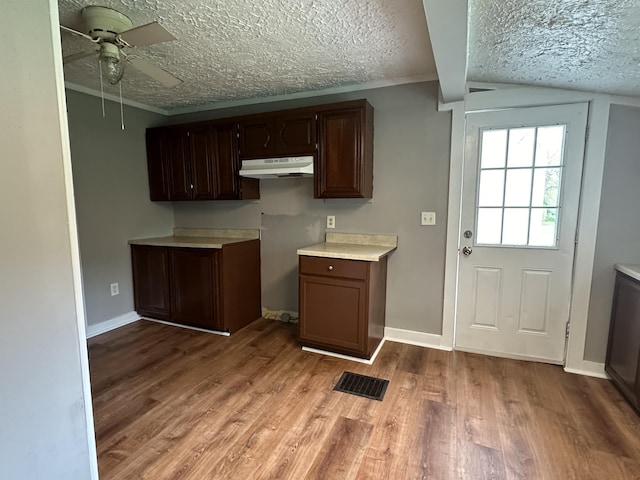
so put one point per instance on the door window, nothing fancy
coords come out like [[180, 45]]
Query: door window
[[519, 185]]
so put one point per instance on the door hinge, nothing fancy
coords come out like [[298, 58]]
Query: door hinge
[[567, 329]]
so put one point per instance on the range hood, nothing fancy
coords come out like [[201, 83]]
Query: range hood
[[278, 167]]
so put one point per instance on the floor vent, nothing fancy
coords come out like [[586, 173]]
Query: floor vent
[[363, 386]]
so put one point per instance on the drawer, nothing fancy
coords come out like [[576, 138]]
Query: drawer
[[334, 267]]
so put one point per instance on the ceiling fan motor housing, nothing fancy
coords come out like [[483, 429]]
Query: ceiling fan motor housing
[[105, 23], [109, 51]]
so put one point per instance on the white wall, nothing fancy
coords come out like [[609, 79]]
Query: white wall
[[618, 222], [112, 198], [43, 426], [411, 168]]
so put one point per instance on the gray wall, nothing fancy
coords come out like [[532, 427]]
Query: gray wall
[[43, 429], [411, 168], [618, 222], [112, 198]]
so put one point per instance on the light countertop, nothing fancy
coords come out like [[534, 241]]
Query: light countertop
[[199, 238], [348, 246], [632, 270]]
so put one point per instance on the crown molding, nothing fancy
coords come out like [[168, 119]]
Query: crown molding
[[114, 98], [314, 93], [256, 100]]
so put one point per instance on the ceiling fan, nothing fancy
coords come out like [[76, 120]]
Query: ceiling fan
[[112, 33]]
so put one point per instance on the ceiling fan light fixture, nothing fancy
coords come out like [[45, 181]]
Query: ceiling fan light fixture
[[113, 62]]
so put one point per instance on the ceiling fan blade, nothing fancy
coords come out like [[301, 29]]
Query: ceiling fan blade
[[146, 35], [76, 56], [153, 71], [80, 34]]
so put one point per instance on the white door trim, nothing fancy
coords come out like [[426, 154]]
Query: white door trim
[[587, 231], [589, 204], [453, 223], [73, 238]]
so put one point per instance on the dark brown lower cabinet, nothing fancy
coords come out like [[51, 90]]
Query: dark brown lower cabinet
[[342, 304], [623, 352], [195, 287], [151, 281], [216, 289]]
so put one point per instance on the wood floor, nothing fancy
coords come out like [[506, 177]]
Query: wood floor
[[171, 403]]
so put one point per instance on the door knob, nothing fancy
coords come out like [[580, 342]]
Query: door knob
[[466, 251], [330, 267]]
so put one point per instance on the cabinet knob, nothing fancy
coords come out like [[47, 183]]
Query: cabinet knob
[[330, 267]]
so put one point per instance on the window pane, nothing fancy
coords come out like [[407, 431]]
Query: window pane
[[521, 147], [549, 145], [546, 187], [544, 223], [491, 188], [489, 226], [518, 191], [516, 226], [494, 148]]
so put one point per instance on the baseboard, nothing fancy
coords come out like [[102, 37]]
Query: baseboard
[[108, 325], [366, 361], [189, 327], [411, 337], [590, 369]]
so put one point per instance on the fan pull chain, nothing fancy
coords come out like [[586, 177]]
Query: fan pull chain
[[101, 88], [121, 109]]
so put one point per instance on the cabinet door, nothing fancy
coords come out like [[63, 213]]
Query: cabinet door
[[176, 151], [333, 314], [227, 163], [296, 134], [624, 336], [202, 162], [151, 281], [194, 287], [157, 166], [342, 170], [257, 137]]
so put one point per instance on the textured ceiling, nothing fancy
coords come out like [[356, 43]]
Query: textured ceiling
[[238, 49], [589, 45]]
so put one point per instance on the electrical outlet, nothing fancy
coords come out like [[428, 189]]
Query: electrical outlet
[[428, 218], [331, 221], [115, 289]]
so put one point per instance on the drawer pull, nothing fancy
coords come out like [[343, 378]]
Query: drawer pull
[[330, 267]]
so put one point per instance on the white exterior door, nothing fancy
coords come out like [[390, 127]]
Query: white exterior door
[[521, 190]]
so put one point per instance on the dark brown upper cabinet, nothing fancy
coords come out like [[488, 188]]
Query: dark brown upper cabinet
[[202, 161], [157, 166], [296, 133], [196, 162], [287, 133], [344, 167], [257, 139]]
